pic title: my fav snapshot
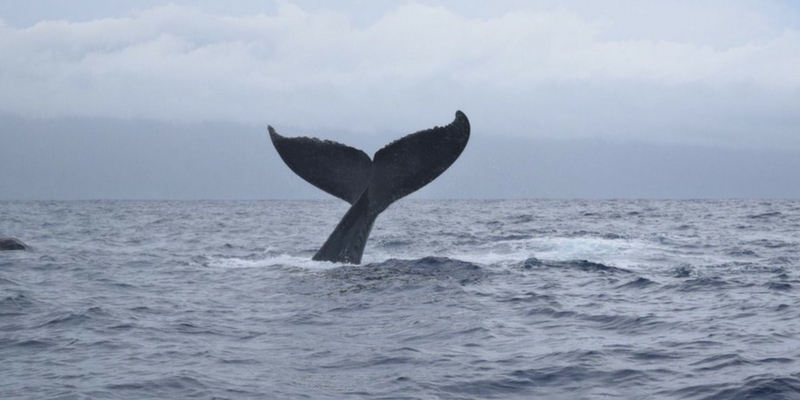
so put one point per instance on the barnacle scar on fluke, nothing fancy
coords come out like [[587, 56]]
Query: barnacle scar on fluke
[[370, 185]]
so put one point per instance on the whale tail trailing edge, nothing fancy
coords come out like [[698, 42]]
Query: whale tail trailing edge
[[337, 169], [409, 163], [370, 186]]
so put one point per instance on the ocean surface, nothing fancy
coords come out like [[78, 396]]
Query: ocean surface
[[454, 300]]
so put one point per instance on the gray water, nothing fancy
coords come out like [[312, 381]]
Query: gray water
[[454, 300]]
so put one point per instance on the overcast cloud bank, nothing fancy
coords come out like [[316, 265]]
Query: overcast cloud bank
[[709, 72], [620, 99]]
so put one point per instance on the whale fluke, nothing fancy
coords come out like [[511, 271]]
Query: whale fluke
[[370, 186]]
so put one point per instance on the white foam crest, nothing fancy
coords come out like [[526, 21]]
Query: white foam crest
[[563, 249], [615, 252], [283, 260]]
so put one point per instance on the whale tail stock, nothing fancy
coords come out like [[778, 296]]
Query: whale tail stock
[[370, 186]]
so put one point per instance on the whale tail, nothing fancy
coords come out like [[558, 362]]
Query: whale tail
[[370, 186]]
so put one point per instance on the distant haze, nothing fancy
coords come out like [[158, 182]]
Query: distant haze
[[144, 99]]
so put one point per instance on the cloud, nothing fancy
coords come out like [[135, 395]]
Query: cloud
[[708, 72]]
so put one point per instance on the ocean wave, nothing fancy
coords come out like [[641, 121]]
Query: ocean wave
[[703, 283], [763, 386], [415, 271], [637, 283], [765, 215], [462, 300], [782, 286], [581, 265], [18, 304], [168, 387]]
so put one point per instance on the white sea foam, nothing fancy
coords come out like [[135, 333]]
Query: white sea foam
[[269, 261]]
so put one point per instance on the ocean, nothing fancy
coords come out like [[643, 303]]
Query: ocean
[[461, 299]]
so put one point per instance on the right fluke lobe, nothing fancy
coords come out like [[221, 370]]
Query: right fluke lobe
[[409, 163]]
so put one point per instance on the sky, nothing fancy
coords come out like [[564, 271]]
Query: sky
[[567, 99]]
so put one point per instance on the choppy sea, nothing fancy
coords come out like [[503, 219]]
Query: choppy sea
[[552, 299]]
